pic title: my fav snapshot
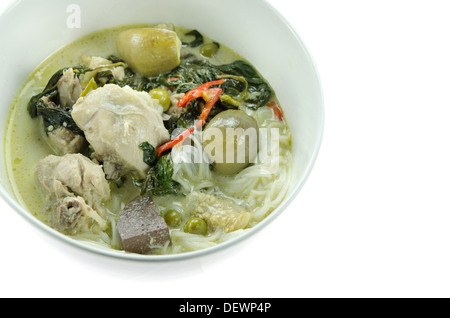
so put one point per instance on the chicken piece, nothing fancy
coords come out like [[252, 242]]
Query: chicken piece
[[173, 114], [96, 63], [47, 101], [73, 174], [69, 89], [116, 121], [219, 212], [63, 141], [118, 73], [174, 110], [75, 188], [73, 215]]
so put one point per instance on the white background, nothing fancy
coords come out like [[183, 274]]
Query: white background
[[372, 220]]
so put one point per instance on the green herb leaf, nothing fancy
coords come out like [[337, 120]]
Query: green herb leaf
[[199, 40], [159, 180], [150, 154]]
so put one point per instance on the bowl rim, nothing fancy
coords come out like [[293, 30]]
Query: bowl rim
[[9, 199]]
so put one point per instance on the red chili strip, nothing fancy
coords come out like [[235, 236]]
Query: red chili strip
[[182, 137], [197, 92], [211, 96], [277, 110]]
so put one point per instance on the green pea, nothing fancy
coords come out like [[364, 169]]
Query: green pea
[[163, 96], [209, 49], [196, 226], [173, 218]]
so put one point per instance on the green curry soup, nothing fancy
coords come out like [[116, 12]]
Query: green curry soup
[[98, 141]]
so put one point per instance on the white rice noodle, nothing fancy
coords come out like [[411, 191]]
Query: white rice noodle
[[185, 242], [260, 188]]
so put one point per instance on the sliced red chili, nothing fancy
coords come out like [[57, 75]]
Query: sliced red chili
[[197, 92], [211, 96], [277, 110], [169, 145]]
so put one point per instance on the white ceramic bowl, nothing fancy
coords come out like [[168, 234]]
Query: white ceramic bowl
[[31, 30]]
